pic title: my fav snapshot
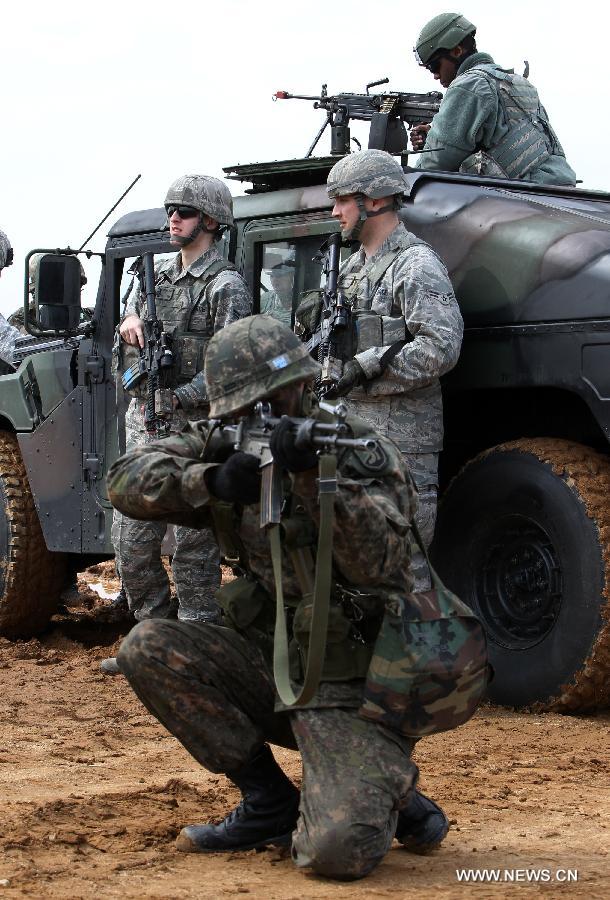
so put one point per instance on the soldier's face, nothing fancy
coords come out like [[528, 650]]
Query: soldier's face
[[447, 68], [182, 221], [346, 212], [282, 283]]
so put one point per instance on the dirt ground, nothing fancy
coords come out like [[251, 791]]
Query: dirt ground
[[94, 792]]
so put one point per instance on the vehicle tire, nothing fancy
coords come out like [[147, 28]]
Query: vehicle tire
[[523, 537], [31, 578]]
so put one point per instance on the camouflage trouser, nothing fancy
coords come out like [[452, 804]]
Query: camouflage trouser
[[137, 547], [424, 469], [214, 691]]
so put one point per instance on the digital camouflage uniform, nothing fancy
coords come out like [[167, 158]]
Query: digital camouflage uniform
[[213, 687], [407, 288], [192, 308], [8, 334], [277, 305], [491, 110]]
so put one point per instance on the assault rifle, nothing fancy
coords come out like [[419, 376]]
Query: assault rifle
[[154, 358], [332, 341], [252, 435], [335, 325], [387, 114]]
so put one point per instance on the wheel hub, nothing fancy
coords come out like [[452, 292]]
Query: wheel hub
[[519, 583]]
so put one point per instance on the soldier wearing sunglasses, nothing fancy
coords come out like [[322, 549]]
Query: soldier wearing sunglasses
[[491, 121], [198, 293]]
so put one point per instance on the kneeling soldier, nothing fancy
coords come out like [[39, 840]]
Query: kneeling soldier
[[213, 686]]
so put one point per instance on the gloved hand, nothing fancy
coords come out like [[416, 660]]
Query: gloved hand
[[238, 480], [284, 451], [353, 374]]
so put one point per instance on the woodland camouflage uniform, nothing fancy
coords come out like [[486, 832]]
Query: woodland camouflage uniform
[[213, 686]]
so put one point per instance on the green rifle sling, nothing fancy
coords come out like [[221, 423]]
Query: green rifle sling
[[321, 596]]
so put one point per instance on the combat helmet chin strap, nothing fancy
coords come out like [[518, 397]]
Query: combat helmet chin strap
[[199, 228], [353, 234]]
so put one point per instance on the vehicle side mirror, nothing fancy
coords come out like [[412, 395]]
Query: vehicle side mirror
[[57, 295]]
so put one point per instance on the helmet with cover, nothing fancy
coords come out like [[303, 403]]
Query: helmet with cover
[[443, 32], [251, 359], [373, 173], [6, 251], [204, 193], [370, 173]]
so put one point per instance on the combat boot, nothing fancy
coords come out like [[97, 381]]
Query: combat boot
[[110, 666], [267, 814], [422, 826]]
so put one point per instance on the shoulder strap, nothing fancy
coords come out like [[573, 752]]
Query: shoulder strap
[[321, 596], [227, 534], [205, 280]]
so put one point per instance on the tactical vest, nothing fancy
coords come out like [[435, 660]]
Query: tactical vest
[[530, 139], [369, 328], [176, 307]]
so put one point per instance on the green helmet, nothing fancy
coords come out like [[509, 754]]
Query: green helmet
[[209, 195], [443, 32], [251, 359], [6, 251], [374, 173]]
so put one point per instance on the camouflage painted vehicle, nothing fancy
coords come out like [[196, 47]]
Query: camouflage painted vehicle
[[523, 531]]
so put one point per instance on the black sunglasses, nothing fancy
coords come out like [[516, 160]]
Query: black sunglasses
[[185, 212], [434, 65]]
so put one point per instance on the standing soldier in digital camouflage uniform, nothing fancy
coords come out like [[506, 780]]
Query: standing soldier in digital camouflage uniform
[[198, 293], [278, 301], [491, 121], [213, 686], [409, 324], [8, 334]]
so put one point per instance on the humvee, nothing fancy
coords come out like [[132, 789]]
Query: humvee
[[523, 532]]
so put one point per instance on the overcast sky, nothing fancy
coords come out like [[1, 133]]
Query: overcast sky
[[94, 94]]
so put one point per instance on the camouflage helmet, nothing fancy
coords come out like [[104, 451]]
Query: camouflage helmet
[[251, 359], [374, 173], [33, 269], [443, 32], [209, 195], [6, 251]]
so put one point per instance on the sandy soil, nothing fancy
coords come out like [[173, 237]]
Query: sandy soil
[[94, 791]]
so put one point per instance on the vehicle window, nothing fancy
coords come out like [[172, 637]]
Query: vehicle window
[[288, 268]]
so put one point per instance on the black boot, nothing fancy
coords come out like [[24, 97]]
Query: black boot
[[422, 825], [267, 814]]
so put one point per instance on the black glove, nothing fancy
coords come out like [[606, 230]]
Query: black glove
[[284, 451], [353, 374], [238, 480]]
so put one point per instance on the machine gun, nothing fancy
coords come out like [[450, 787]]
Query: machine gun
[[387, 114], [154, 358]]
